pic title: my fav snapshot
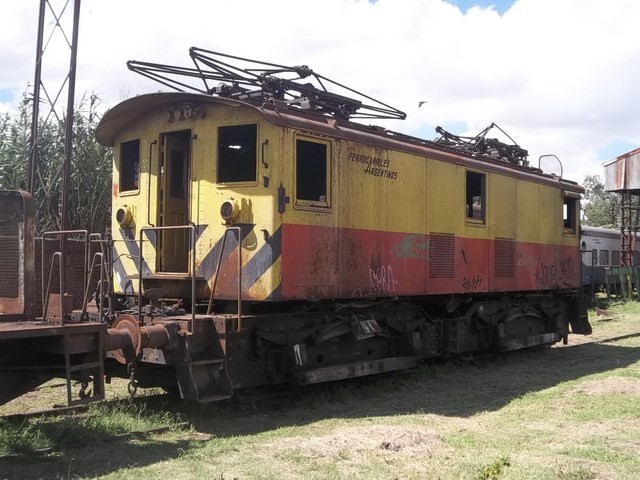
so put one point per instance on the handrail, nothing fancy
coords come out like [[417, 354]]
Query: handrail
[[45, 300], [45, 294], [192, 240], [155, 142], [215, 279], [86, 292], [104, 272], [264, 144], [106, 263]]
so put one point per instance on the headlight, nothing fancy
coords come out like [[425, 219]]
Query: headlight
[[124, 217], [229, 210]]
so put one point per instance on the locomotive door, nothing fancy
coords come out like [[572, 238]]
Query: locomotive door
[[173, 251]]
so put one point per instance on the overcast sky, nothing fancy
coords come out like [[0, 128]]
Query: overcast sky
[[559, 76]]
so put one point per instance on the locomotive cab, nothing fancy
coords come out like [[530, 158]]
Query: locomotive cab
[[198, 167]]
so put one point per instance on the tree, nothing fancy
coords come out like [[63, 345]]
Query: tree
[[89, 192], [602, 208]]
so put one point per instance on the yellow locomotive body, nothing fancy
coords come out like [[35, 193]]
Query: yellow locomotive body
[[302, 248], [326, 209]]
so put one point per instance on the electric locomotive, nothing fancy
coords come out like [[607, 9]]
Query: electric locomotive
[[262, 236]]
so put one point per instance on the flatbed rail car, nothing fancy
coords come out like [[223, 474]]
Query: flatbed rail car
[[36, 344], [260, 240]]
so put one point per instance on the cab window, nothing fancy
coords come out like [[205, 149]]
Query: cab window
[[312, 172], [476, 198], [237, 153], [129, 165]]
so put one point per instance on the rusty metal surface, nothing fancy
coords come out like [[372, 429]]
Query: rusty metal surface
[[10, 250], [74, 263], [32, 352], [59, 307], [127, 338], [356, 369], [16, 253], [623, 173], [28, 329], [124, 339]]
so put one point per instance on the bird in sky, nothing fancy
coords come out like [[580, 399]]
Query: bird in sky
[[421, 102]]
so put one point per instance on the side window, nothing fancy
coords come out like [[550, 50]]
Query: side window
[[177, 187], [312, 172], [129, 165], [615, 258], [237, 153], [569, 214], [594, 255], [476, 199], [604, 257]]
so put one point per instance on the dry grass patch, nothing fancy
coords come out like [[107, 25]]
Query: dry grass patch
[[615, 385], [356, 440]]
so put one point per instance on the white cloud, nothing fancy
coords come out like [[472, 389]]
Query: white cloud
[[559, 77]]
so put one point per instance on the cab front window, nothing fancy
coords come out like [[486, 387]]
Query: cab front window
[[129, 165], [237, 153]]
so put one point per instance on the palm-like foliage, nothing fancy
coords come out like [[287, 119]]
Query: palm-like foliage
[[89, 192]]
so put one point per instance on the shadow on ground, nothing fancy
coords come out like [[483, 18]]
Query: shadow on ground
[[457, 390], [452, 389]]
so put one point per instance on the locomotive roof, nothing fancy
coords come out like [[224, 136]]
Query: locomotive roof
[[590, 231], [121, 115], [126, 112]]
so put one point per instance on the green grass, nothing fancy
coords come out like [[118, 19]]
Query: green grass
[[18, 438], [493, 470], [102, 422]]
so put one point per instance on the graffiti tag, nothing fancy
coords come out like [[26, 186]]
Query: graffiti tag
[[471, 284], [550, 275], [545, 275], [412, 246], [382, 279], [568, 271]]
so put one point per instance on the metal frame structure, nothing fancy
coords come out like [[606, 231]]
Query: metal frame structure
[[483, 146], [629, 225], [256, 81], [39, 87]]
